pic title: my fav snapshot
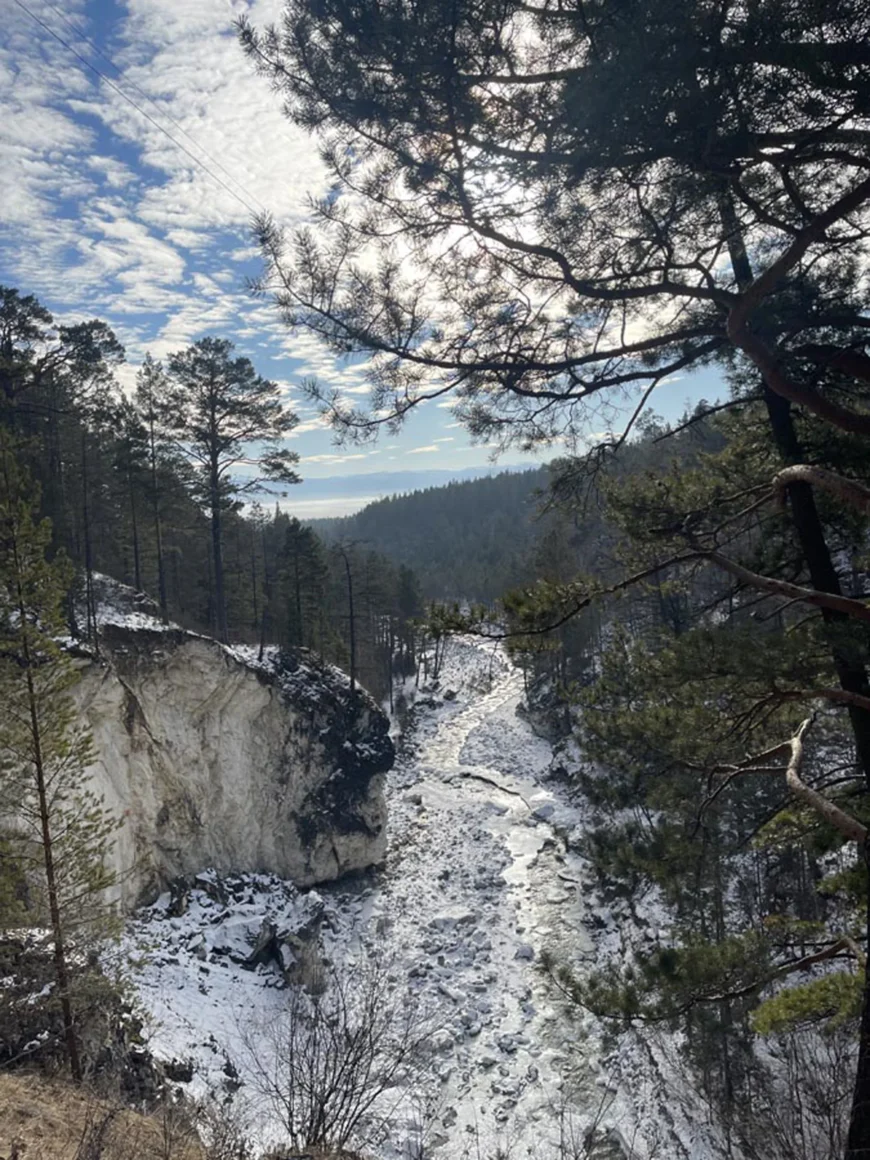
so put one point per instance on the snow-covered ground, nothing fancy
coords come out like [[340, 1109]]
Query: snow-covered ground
[[478, 882]]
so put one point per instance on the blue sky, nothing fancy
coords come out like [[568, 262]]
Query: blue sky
[[104, 216]]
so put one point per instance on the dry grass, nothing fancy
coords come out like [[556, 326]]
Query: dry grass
[[42, 1119]]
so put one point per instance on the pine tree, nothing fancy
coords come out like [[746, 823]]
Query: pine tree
[[303, 573], [151, 388], [58, 835], [227, 420]]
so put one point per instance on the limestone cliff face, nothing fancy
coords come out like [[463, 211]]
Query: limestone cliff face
[[215, 760]]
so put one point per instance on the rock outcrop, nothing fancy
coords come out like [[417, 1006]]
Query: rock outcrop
[[213, 759]]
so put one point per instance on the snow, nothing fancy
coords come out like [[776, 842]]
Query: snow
[[479, 881]]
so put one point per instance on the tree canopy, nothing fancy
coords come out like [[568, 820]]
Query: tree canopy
[[533, 205]]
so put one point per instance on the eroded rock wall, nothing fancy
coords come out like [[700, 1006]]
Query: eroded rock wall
[[212, 759]]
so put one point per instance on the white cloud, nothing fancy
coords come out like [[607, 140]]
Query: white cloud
[[302, 428], [106, 215], [423, 450], [332, 458]]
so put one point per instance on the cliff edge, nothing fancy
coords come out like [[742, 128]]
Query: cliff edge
[[213, 758]]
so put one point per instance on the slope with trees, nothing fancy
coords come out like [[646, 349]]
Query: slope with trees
[[466, 540], [162, 491], [224, 417]]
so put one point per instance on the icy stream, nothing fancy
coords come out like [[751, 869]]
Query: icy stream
[[476, 886], [477, 883]]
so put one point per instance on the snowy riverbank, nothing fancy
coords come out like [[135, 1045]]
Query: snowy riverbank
[[478, 882]]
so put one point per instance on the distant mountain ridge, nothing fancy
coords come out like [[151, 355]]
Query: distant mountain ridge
[[391, 482], [465, 539]]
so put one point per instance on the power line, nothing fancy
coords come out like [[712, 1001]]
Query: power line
[[140, 111], [168, 116]]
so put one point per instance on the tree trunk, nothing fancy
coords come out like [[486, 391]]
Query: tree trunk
[[297, 596], [137, 572], [60, 963], [352, 623], [851, 672], [255, 617], [217, 553], [90, 600], [852, 676], [267, 596], [858, 1143], [158, 525]]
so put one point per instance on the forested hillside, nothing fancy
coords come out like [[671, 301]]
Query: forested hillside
[[469, 540], [475, 540]]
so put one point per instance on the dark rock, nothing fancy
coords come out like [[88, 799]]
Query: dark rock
[[179, 897], [178, 1070]]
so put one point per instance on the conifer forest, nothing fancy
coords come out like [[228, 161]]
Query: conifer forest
[[522, 815]]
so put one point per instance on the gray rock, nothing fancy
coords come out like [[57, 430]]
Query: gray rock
[[213, 760]]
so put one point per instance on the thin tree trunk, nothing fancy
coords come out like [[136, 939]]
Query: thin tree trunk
[[158, 523], [391, 646], [352, 622], [267, 595], [60, 963], [137, 572], [90, 600], [297, 592], [217, 552], [256, 611]]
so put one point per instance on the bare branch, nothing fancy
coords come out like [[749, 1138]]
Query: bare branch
[[857, 609], [849, 490], [848, 826]]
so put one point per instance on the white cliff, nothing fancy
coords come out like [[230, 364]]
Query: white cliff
[[213, 759]]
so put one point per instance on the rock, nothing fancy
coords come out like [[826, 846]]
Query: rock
[[576, 841], [525, 952], [442, 1040], [197, 945], [212, 887], [265, 949], [178, 1070], [544, 812], [449, 694], [448, 920], [210, 759], [179, 898]]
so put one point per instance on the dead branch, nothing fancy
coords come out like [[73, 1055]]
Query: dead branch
[[849, 490], [857, 609], [848, 826]]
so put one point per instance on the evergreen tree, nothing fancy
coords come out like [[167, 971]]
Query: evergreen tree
[[58, 834], [303, 572], [227, 420], [151, 388]]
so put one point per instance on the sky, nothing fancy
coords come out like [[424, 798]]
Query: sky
[[141, 216]]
